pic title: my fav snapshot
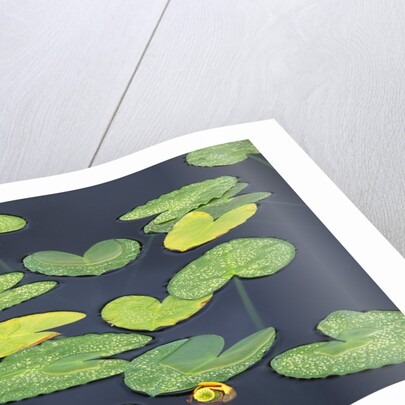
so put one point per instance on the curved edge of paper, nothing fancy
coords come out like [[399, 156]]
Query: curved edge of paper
[[364, 242], [392, 395]]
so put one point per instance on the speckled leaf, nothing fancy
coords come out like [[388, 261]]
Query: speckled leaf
[[11, 223], [63, 363], [365, 340], [167, 226], [222, 155], [30, 330], [13, 296], [181, 365], [197, 228], [140, 312], [217, 209], [245, 258], [178, 203], [104, 256]]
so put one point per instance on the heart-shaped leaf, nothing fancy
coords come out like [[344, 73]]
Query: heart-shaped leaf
[[104, 256], [63, 363], [222, 155], [365, 340], [215, 208], [177, 203], [197, 227], [181, 365], [13, 296], [167, 226], [244, 257], [140, 312], [11, 223], [30, 330]]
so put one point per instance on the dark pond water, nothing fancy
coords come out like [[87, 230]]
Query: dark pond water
[[322, 278]]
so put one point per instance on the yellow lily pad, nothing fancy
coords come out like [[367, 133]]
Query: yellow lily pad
[[197, 228], [26, 331], [140, 312]]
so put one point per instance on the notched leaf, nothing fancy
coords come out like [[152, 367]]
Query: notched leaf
[[140, 312], [244, 257], [102, 257], [365, 340], [183, 364], [197, 228]]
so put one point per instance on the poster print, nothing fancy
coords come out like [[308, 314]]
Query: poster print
[[202, 279]]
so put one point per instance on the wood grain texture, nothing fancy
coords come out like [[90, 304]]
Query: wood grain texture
[[330, 72], [64, 66]]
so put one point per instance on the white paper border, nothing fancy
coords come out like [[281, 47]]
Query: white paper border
[[359, 237]]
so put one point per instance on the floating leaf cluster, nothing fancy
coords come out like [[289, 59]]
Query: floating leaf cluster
[[183, 364], [178, 203], [197, 228], [363, 340], [215, 197], [197, 213]]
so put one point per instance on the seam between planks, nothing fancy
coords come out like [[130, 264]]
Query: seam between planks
[[129, 84]]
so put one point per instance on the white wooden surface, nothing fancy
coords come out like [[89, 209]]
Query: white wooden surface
[[86, 82]]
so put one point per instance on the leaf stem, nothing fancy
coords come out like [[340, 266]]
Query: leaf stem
[[250, 309]]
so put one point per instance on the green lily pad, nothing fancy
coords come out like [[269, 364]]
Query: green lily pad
[[12, 296], [104, 256], [181, 365], [178, 203], [244, 257], [26, 331], [215, 208], [222, 155], [365, 340], [11, 223], [197, 228], [63, 363], [140, 312]]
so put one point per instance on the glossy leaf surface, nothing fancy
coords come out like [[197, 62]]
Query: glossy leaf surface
[[63, 363], [139, 312], [12, 296], [183, 364], [197, 228], [104, 256], [19, 333], [244, 257], [364, 340], [222, 155], [178, 203], [11, 223]]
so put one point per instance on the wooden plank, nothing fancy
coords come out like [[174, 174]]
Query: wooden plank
[[330, 72], [64, 66]]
